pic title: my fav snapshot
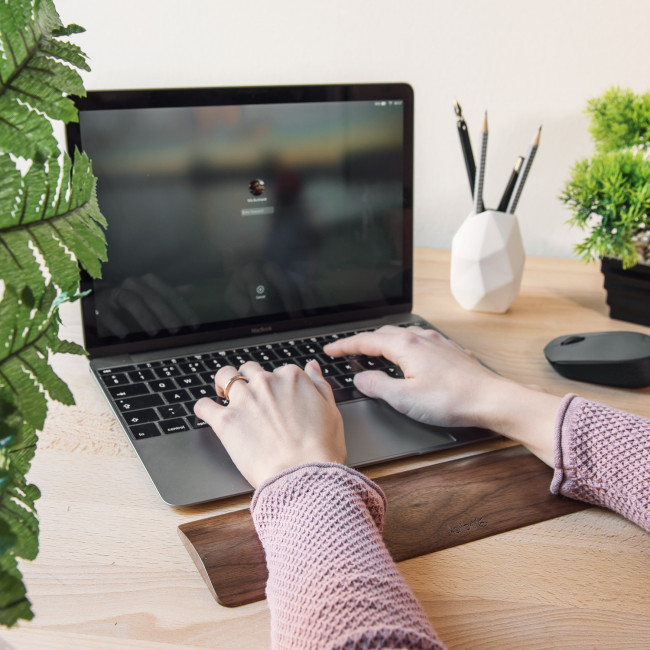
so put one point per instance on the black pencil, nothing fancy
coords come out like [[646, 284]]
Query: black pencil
[[466, 146], [480, 174], [514, 200], [510, 186]]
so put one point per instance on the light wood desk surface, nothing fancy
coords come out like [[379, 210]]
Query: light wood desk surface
[[112, 572]]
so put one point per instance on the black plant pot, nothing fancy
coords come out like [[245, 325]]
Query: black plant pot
[[628, 291]]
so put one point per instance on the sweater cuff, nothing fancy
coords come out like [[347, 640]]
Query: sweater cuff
[[561, 443], [299, 470]]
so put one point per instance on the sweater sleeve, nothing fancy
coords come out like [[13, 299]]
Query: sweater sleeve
[[602, 456], [332, 583]]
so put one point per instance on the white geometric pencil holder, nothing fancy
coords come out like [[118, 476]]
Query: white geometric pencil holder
[[487, 261]]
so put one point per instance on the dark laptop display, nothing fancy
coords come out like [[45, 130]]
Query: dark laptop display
[[245, 223], [234, 208]]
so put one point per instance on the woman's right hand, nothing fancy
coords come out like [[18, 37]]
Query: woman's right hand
[[446, 385]]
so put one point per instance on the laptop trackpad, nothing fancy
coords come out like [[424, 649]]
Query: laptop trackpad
[[374, 431]]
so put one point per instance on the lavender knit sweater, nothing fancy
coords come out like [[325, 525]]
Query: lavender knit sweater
[[332, 583]]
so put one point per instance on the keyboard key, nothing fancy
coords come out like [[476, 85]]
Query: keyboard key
[[329, 370], [345, 380], [238, 360], [394, 371], [174, 426], [208, 377], [346, 394], [216, 363], [286, 352], [145, 431], [203, 391], [191, 367], [127, 390], [349, 366], [373, 363], [195, 423], [172, 411], [309, 349], [139, 417], [138, 402], [168, 370], [189, 380], [162, 384], [141, 375], [262, 354], [179, 395], [112, 371], [115, 380]]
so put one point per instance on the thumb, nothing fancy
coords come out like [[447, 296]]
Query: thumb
[[377, 384]]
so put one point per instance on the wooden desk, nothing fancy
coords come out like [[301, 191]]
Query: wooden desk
[[112, 572]]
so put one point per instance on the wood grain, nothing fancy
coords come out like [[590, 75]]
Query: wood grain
[[112, 572], [429, 509]]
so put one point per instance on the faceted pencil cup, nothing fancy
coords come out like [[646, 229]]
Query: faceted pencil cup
[[487, 261]]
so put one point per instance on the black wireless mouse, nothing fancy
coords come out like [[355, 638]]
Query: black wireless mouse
[[610, 358]]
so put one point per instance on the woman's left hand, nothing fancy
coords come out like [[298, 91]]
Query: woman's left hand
[[275, 420]]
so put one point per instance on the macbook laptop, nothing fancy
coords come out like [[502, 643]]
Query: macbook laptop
[[247, 224]]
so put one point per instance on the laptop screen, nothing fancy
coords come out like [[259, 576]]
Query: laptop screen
[[232, 211]]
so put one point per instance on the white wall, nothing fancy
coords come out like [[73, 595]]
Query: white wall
[[527, 62]]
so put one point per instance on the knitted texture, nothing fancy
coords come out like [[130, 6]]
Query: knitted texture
[[332, 583], [602, 456]]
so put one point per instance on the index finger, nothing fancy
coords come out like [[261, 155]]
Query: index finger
[[379, 343]]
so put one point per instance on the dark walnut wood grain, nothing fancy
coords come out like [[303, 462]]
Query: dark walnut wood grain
[[429, 509]]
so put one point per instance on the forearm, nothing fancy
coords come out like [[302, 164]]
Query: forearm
[[331, 580], [602, 456]]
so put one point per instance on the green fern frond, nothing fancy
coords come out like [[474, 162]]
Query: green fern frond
[[52, 209], [28, 331], [18, 529], [37, 70], [49, 223], [14, 604]]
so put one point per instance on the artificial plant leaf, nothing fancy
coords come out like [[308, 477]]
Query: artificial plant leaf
[[7, 538], [26, 335], [68, 347], [52, 209], [18, 512], [13, 598], [36, 72]]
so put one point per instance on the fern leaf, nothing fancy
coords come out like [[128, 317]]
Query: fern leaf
[[53, 209], [18, 523], [28, 331], [36, 72], [69, 347], [13, 599], [18, 512]]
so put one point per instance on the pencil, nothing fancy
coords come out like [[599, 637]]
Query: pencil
[[510, 185], [512, 204], [466, 146], [480, 172]]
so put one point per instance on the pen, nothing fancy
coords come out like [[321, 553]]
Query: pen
[[480, 172], [512, 204], [466, 145], [510, 186]]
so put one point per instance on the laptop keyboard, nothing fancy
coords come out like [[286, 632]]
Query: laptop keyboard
[[157, 397]]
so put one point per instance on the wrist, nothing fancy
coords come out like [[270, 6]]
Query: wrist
[[523, 414]]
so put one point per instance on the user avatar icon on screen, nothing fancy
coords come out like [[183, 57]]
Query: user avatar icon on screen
[[256, 187]]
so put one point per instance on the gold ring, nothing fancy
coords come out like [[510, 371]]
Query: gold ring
[[231, 381]]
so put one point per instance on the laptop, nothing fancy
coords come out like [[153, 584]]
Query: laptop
[[247, 224]]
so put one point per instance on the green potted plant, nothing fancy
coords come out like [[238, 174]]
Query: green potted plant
[[609, 196], [49, 221]]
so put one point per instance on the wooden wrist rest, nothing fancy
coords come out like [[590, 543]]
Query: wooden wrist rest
[[429, 509]]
